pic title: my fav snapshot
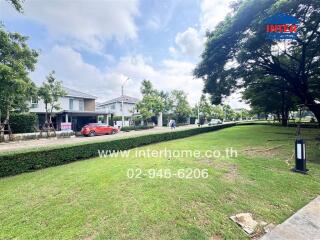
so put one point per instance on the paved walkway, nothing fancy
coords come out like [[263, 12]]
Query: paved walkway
[[53, 142], [303, 225]]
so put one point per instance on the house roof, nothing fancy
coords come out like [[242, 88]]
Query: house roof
[[78, 94], [124, 98]]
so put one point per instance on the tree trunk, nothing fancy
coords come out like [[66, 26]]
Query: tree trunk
[[7, 122], [278, 117], [1, 132], [51, 124], [284, 119]]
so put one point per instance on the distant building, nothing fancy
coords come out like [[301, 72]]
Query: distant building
[[76, 107], [114, 106]]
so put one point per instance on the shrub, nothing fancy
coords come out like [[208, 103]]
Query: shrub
[[302, 125], [136, 128], [23, 122], [119, 118], [15, 163]]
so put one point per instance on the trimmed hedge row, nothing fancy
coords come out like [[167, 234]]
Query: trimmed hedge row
[[303, 125], [16, 163], [135, 128]]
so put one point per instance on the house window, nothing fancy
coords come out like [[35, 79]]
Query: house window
[[81, 105], [70, 104], [112, 106], [34, 102]]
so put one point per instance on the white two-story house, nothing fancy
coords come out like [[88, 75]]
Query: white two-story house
[[114, 106], [76, 107]]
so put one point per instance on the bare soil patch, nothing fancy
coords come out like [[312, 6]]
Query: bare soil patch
[[262, 151], [215, 237]]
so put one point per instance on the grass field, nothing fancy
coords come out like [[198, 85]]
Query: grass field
[[95, 199]]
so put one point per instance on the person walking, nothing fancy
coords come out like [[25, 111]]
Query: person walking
[[174, 124], [171, 124]]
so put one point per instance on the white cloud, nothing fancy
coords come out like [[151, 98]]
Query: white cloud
[[235, 101], [190, 42], [153, 23], [87, 23], [75, 73], [170, 75], [212, 12]]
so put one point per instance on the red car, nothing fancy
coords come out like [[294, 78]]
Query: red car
[[93, 129]]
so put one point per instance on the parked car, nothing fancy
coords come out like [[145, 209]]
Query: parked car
[[93, 129], [214, 122]]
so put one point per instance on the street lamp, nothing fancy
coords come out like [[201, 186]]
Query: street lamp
[[300, 156], [199, 113], [122, 98], [300, 152]]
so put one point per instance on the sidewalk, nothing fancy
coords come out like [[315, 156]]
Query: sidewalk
[[303, 225], [53, 142]]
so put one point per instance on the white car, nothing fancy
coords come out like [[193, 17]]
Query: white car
[[214, 122]]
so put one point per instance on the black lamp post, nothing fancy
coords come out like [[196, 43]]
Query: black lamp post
[[300, 153]]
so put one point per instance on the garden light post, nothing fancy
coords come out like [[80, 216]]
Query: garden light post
[[300, 156], [300, 152]]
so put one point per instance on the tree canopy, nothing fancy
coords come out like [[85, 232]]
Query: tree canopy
[[237, 54], [179, 105], [17, 4], [50, 92], [16, 61], [152, 103]]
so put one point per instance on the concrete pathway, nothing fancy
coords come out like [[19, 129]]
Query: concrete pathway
[[53, 142], [303, 225]]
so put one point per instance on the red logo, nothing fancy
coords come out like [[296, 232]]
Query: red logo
[[285, 28]]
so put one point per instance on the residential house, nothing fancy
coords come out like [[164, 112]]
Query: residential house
[[76, 107], [114, 106]]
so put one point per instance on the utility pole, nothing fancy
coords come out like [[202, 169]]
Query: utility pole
[[199, 113], [122, 98]]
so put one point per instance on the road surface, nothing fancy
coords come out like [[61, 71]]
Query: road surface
[[54, 142]]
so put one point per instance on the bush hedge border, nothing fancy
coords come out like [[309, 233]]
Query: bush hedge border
[[291, 125], [15, 163]]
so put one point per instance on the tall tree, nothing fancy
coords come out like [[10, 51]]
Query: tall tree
[[16, 61], [180, 105], [217, 112], [228, 112], [152, 103], [205, 107], [269, 96], [50, 92], [238, 49], [17, 4]]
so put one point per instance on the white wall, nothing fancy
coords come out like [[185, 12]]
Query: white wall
[[64, 105], [127, 109]]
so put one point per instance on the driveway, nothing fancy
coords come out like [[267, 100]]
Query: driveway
[[54, 142]]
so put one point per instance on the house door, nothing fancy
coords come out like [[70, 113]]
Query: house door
[[74, 123]]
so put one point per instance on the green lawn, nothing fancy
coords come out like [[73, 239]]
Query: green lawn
[[95, 199]]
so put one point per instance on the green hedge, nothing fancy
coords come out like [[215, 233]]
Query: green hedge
[[277, 124], [136, 128], [16, 163], [23, 122]]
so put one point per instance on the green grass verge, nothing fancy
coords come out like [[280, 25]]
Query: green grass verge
[[15, 163], [95, 199]]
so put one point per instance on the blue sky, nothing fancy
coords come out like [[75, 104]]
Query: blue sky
[[94, 45]]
